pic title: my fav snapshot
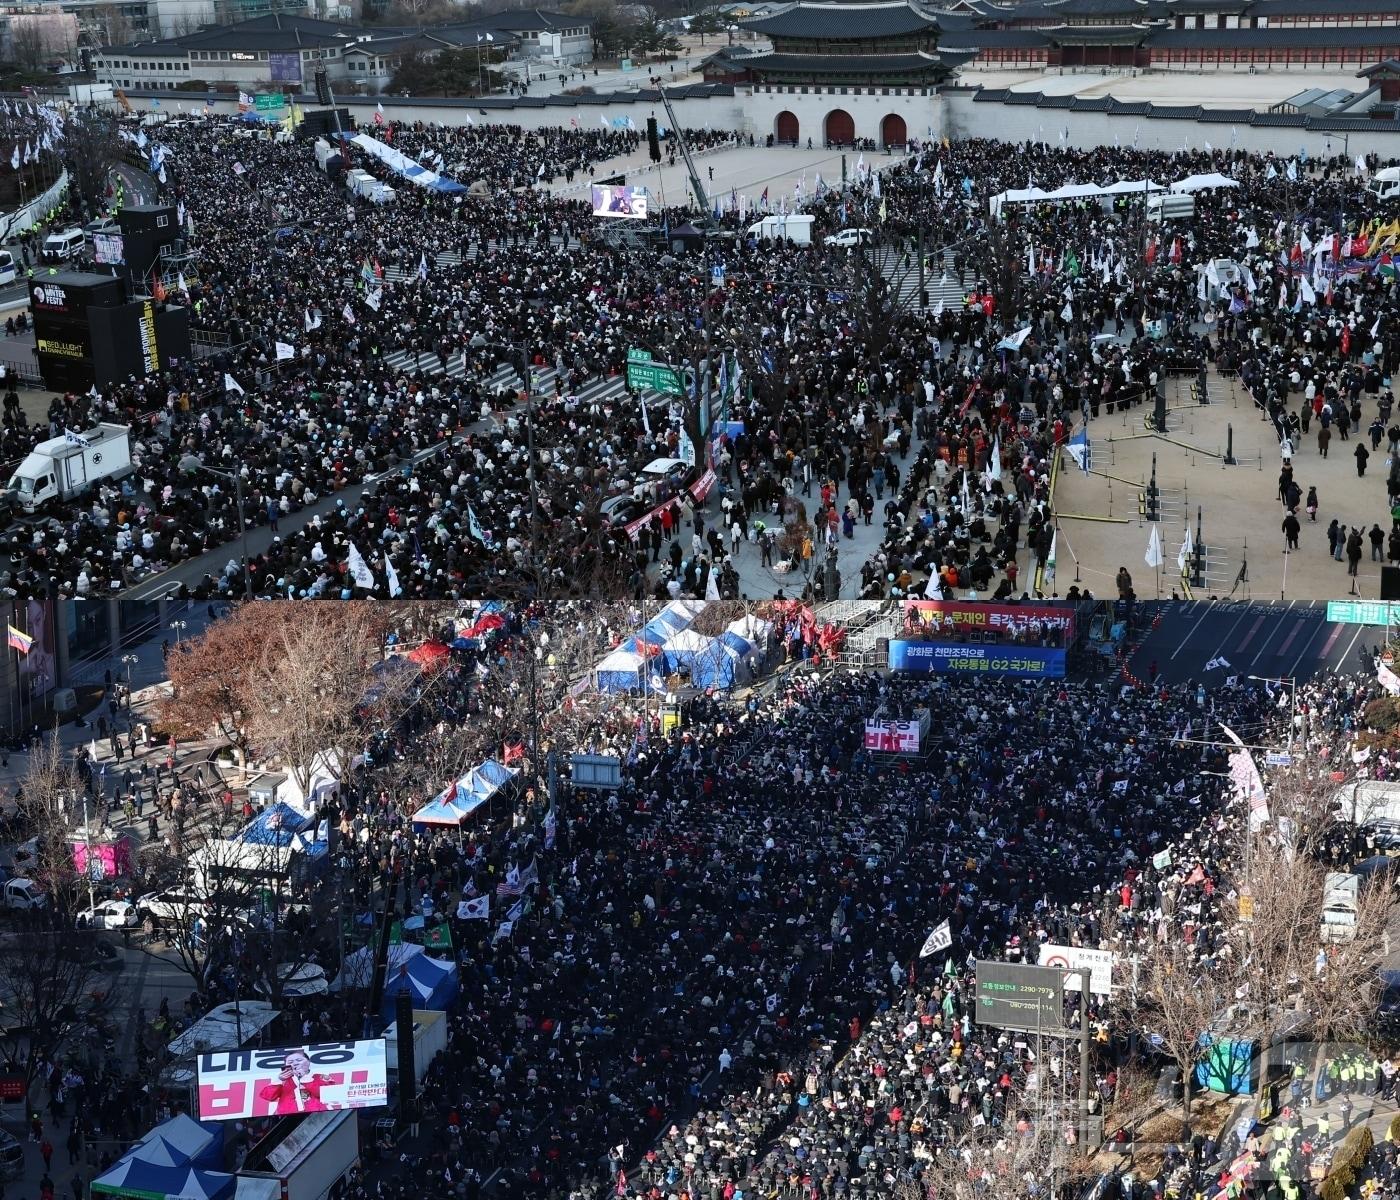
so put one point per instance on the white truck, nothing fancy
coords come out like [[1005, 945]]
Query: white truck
[[795, 228], [66, 466], [1385, 184], [1374, 806]]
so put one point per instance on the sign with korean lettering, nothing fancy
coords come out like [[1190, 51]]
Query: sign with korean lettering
[[892, 737], [235, 1085], [1020, 997], [958, 658], [949, 616]]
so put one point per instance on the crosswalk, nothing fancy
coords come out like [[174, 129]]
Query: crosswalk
[[506, 377], [940, 279]]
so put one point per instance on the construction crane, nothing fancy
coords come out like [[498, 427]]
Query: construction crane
[[701, 200]]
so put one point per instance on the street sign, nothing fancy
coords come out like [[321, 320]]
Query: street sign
[[638, 356], [1277, 758], [269, 102], [1363, 612], [657, 377], [1020, 997]]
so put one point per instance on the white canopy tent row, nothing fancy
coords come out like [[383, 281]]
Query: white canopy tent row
[[1204, 183], [1070, 191]]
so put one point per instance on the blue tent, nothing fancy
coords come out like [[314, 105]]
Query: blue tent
[[431, 982], [721, 666], [277, 825], [200, 1143], [622, 671], [739, 645], [453, 805], [662, 628], [146, 1181]]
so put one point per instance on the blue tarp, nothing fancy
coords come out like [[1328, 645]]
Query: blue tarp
[[277, 825], [432, 982]]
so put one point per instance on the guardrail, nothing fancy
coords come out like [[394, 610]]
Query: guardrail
[[24, 370]]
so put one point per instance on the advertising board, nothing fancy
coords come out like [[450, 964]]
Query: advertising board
[[950, 616]]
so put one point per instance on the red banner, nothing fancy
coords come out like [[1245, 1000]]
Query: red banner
[[951, 616]]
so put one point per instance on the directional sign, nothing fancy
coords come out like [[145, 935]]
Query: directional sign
[[269, 102], [638, 356], [1021, 997], [1277, 759], [657, 377], [1363, 612]]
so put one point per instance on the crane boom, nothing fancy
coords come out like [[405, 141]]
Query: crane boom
[[701, 200]]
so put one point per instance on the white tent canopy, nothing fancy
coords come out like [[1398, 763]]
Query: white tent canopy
[[1070, 191], [1204, 183]]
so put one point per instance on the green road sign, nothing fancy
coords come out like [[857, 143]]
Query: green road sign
[[638, 356], [1363, 612], [269, 102], [1020, 997], [655, 376]]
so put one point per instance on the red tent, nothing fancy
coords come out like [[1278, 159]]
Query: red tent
[[430, 655]]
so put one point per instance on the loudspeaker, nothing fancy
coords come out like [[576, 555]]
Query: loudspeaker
[[408, 1074], [1390, 583], [653, 140], [323, 88], [320, 122]]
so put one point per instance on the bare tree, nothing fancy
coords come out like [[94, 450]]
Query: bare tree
[[27, 46], [53, 991], [92, 148], [310, 685]]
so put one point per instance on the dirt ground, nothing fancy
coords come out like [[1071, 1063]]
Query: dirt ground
[[1240, 516]]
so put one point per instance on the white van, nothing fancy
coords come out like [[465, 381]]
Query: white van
[[9, 271], [63, 245], [1170, 206]]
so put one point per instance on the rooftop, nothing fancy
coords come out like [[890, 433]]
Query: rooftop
[[887, 18]]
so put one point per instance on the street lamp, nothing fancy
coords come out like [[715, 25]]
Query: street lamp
[[128, 661], [242, 523], [179, 627]]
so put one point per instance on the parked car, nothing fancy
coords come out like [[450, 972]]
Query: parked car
[[110, 914], [849, 237], [24, 894], [167, 905]]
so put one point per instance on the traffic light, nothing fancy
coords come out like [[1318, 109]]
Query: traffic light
[[653, 140], [323, 87]]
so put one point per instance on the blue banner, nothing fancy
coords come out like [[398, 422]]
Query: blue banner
[[960, 658]]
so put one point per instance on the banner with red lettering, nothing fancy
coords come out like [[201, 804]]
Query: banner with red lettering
[[235, 1085]]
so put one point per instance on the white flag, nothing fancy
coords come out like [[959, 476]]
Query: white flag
[[284, 351], [1360, 165], [1012, 341], [940, 939], [359, 569], [348, 313], [1154, 549], [1184, 554], [391, 576], [478, 908], [231, 384]]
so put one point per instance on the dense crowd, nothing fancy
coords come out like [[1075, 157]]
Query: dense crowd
[[857, 404], [777, 882]]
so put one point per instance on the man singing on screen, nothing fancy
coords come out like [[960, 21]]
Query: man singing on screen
[[298, 1090]]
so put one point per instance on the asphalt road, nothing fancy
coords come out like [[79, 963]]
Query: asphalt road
[[1291, 639]]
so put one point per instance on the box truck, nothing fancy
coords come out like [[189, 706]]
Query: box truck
[[796, 228], [1385, 184], [63, 467]]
